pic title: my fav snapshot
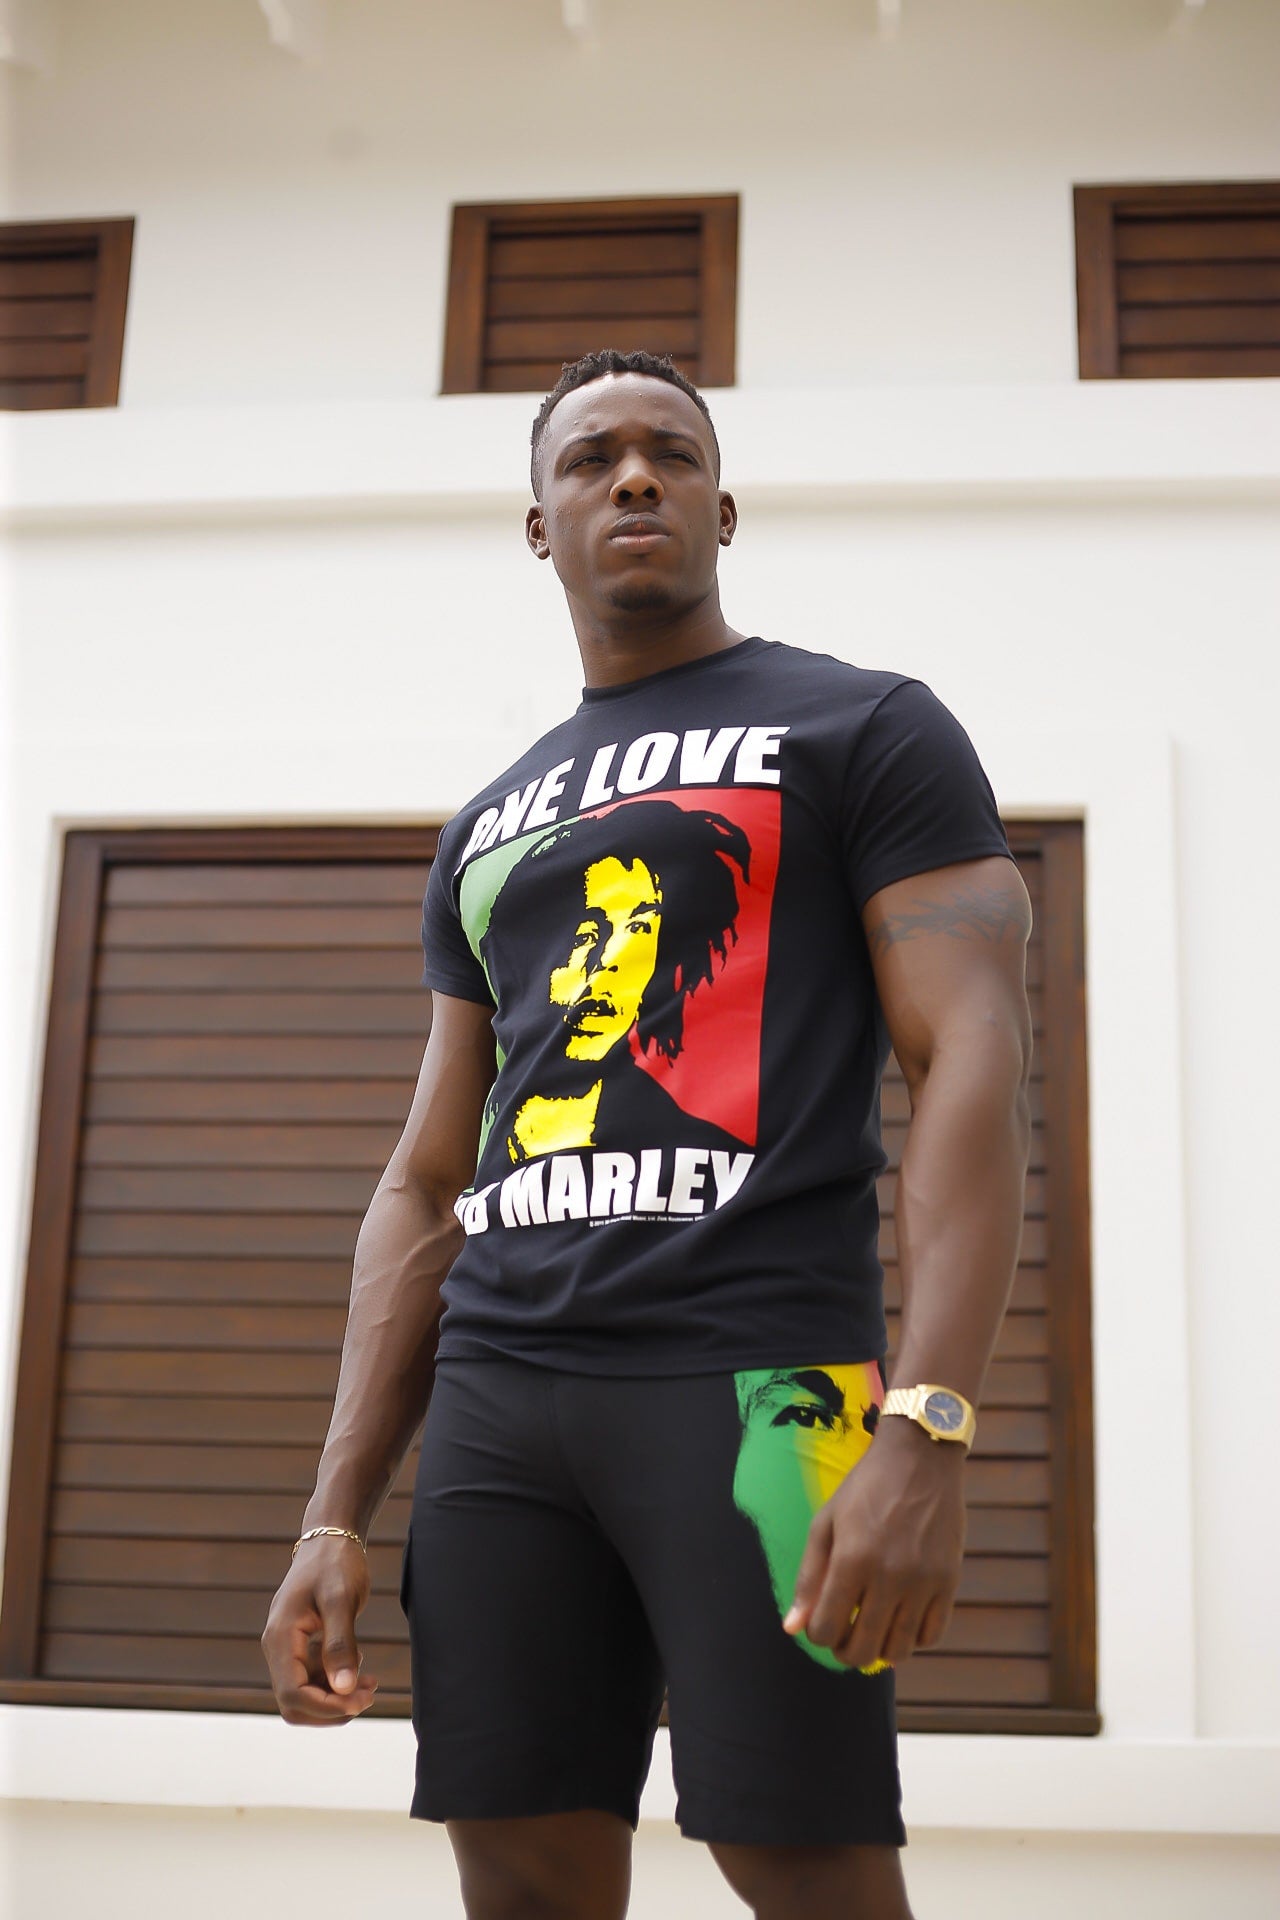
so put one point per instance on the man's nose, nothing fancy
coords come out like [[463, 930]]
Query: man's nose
[[608, 952], [636, 480]]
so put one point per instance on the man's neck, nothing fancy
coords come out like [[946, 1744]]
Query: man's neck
[[631, 646]]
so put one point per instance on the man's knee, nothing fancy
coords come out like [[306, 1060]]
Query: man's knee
[[556, 1866], [794, 1883]]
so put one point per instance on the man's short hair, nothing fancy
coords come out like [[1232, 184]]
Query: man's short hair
[[534, 920], [594, 366]]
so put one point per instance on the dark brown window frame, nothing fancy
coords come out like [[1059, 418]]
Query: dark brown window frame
[[1095, 210], [88, 856], [114, 241], [465, 315]]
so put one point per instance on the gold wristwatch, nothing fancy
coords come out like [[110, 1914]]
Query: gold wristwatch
[[944, 1414]]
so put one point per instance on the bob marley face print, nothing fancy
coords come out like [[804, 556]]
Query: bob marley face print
[[803, 1430], [628, 912], [615, 949]]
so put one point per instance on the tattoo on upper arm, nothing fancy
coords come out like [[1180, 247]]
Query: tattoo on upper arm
[[974, 914]]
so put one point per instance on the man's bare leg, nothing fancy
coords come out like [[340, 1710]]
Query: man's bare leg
[[555, 1866], [795, 1883]]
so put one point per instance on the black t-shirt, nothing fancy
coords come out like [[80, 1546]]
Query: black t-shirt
[[661, 902]]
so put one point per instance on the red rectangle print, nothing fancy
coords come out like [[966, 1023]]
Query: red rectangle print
[[716, 907]]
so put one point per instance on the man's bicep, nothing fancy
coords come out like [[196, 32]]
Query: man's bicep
[[949, 952], [442, 1133]]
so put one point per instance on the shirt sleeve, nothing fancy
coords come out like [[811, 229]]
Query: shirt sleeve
[[915, 795], [448, 962]]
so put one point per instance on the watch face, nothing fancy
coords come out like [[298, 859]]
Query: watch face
[[944, 1411]]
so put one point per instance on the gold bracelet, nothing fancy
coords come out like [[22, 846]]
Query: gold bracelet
[[343, 1533]]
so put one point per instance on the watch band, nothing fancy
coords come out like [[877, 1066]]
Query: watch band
[[912, 1404]]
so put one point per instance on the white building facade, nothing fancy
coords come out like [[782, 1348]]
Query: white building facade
[[284, 581]]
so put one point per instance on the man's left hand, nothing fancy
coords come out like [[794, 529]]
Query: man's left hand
[[880, 1571]]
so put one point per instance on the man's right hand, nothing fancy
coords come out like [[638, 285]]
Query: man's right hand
[[310, 1637]]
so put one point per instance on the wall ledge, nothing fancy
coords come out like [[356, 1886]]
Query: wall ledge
[[809, 447], [988, 1783]]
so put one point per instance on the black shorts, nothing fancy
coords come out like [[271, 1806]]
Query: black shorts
[[578, 1543]]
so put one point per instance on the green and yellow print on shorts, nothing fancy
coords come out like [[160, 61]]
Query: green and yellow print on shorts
[[803, 1430]]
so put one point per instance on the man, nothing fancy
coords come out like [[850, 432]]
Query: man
[[658, 1361]]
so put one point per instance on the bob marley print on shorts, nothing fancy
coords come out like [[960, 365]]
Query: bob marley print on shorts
[[803, 1430]]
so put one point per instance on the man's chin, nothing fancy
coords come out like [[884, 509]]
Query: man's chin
[[642, 596], [590, 1046]]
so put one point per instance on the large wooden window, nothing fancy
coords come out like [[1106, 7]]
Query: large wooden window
[[235, 1029], [64, 286], [536, 284], [1178, 282], [1019, 1653]]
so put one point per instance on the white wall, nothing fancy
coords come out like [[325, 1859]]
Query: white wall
[[259, 1864], [906, 203], [315, 603]]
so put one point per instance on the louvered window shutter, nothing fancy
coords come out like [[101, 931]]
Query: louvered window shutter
[[1018, 1655], [531, 286], [63, 292], [1178, 282], [237, 1028]]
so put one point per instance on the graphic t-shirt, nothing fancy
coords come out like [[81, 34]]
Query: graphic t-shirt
[[661, 901]]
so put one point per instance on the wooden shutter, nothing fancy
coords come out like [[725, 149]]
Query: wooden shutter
[[534, 285], [1019, 1654], [1178, 282], [236, 1030], [63, 290], [234, 1034]]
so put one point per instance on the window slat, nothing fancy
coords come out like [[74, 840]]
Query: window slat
[[960, 1680], [268, 1013], [119, 1145], [43, 359], [589, 255], [164, 1419], [246, 1098], [44, 277], [567, 339], [1198, 239], [103, 1560], [230, 1663], [45, 319], [1207, 326], [591, 297], [1200, 363], [31, 396], [202, 1516], [1211, 283], [218, 1282]]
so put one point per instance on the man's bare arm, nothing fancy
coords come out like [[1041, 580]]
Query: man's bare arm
[[949, 952], [406, 1245]]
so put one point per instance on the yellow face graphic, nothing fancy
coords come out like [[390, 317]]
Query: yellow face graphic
[[601, 984]]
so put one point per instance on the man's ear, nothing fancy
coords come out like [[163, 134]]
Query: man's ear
[[728, 518], [535, 532]]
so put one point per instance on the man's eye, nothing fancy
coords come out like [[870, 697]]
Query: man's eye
[[586, 459], [642, 925], [804, 1413]]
